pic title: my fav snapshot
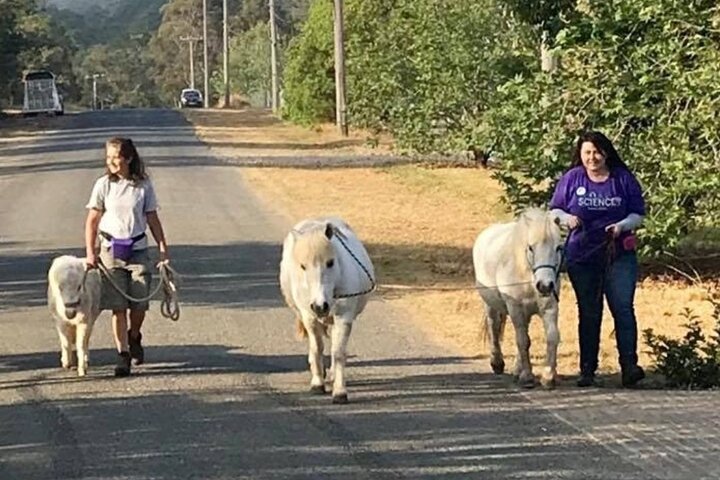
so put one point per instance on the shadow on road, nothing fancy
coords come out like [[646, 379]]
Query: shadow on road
[[238, 275], [224, 432]]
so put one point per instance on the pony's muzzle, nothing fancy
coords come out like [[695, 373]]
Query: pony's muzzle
[[70, 313], [320, 310], [545, 288]]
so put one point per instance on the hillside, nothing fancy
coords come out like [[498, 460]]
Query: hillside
[[82, 6], [91, 23]]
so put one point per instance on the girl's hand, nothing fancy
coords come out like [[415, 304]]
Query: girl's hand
[[164, 256], [91, 260]]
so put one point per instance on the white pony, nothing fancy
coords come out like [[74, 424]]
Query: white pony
[[517, 271], [326, 277], [74, 302]]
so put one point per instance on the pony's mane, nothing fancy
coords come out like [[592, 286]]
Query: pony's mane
[[532, 223], [311, 242]]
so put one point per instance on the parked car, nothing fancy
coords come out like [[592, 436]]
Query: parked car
[[189, 97]]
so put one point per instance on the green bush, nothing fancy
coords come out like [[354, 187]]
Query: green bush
[[248, 64], [422, 70], [309, 77], [692, 362], [425, 69]]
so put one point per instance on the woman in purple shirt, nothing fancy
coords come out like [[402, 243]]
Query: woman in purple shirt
[[600, 201]]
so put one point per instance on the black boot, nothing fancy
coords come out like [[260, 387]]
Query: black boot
[[586, 379], [631, 375], [122, 366], [136, 350]]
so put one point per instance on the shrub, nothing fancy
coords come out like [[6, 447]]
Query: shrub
[[692, 362]]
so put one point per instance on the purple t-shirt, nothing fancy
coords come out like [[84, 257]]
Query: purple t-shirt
[[597, 204]]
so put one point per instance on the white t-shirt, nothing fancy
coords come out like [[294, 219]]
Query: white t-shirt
[[124, 205]]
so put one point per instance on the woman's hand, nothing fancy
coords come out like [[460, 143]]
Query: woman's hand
[[614, 230], [164, 256], [572, 222]]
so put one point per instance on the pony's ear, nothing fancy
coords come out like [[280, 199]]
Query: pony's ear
[[329, 230]]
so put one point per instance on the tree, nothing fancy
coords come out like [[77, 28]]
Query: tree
[[644, 72], [308, 81], [30, 39], [125, 82], [249, 65], [180, 18]]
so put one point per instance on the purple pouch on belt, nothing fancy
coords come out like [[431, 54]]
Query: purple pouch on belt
[[121, 248], [629, 243]]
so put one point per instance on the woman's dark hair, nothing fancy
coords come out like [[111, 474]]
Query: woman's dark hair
[[602, 143], [127, 150]]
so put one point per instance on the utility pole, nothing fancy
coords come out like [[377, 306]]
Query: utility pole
[[226, 85], [94, 77], [273, 58], [340, 107], [191, 41], [206, 93]]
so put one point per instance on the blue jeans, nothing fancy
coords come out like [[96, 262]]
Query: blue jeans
[[618, 288]]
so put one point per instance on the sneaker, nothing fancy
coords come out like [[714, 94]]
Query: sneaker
[[136, 350], [632, 375], [122, 366], [586, 380]]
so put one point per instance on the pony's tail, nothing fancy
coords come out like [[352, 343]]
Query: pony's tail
[[300, 329], [302, 332], [487, 324]]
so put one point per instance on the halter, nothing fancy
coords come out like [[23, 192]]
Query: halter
[[80, 292], [555, 268]]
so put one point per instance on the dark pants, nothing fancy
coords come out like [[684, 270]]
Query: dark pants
[[618, 287]]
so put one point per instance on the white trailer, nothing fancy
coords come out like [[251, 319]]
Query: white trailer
[[41, 94]]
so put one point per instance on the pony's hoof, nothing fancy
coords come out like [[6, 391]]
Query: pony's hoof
[[498, 368], [526, 382], [81, 372], [548, 383], [317, 389], [341, 399]]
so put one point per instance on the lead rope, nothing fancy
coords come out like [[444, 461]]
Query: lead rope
[[170, 306], [339, 236]]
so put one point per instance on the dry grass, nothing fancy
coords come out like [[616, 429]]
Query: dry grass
[[12, 123], [256, 132], [419, 225]]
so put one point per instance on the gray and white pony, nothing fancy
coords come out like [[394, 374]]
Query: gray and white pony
[[326, 277], [74, 303], [517, 267]]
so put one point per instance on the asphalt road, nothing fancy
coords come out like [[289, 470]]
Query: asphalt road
[[225, 391]]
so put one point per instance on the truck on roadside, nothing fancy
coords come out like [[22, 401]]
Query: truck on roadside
[[41, 94]]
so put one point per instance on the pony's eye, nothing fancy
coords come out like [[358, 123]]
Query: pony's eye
[[330, 263], [302, 266], [530, 249]]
